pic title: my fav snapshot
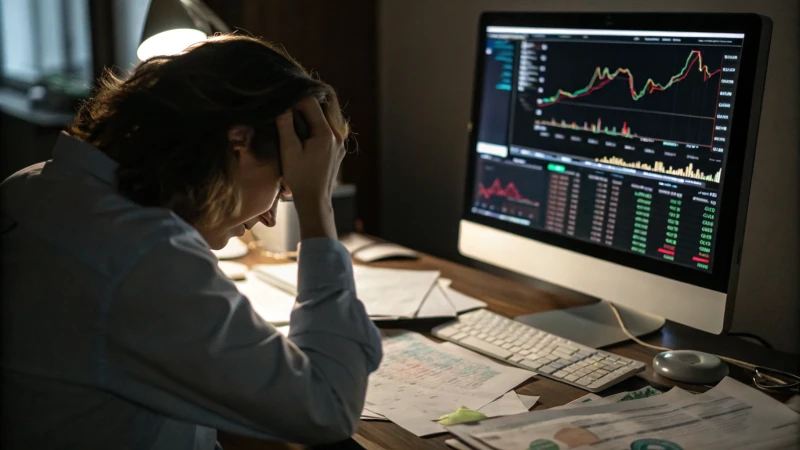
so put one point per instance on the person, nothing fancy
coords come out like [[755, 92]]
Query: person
[[119, 330]]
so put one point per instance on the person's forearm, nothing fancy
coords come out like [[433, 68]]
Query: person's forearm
[[316, 218]]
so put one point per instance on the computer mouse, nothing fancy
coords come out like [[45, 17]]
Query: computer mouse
[[381, 251], [690, 366]]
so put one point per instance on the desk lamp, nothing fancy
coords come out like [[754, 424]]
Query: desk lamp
[[173, 25]]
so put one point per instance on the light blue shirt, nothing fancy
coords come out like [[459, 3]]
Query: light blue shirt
[[120, 332]]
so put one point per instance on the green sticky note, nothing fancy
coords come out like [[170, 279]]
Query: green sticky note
[[461, 415]]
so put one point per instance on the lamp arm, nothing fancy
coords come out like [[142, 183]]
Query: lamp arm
[[208, 14]]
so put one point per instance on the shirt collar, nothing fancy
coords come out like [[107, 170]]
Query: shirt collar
[[85, 157]]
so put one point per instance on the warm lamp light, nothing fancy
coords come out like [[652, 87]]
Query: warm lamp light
[[173, 25], [169, 42]]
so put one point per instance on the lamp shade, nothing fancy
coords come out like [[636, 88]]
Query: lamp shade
[[169, 29]]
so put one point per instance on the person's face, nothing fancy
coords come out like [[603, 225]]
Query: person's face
[[261, 186]]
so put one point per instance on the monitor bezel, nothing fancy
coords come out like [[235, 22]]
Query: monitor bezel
[[739, 158]]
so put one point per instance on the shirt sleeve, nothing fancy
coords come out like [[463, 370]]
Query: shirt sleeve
[[183, 341]]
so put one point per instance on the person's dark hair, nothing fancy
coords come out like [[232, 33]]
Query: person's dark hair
[[167, 123]]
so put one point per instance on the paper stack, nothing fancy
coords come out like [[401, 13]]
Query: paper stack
[[420, 380], [729, 416], [387, 294]]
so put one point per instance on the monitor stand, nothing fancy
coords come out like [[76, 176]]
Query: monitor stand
[[593, 325]]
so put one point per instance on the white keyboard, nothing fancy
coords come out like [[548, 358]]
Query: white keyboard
[[541, 352]]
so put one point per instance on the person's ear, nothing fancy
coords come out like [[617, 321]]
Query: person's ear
[[240, 139]]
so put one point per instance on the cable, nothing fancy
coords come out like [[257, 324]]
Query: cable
[[737, 362]]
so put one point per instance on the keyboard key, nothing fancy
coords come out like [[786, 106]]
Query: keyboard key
[[600, 382], [571, 368], [561, 354], [547, 370], [536, 350], [558, 365], [567, 349], [458, 336], [447, 332], [491, 349], [529, 364]]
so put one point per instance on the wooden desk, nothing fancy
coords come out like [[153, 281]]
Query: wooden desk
[[512, 298]]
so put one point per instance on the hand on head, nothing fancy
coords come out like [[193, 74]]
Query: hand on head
[[310, 167]]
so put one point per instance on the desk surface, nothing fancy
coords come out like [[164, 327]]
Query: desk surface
[[512, 298]]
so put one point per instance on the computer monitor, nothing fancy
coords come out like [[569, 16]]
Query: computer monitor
[[612, 154]]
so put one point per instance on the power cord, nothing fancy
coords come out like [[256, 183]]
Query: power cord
[[737, 362], [743, 364]]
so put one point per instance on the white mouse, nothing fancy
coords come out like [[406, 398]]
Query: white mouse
[[384, 250], [690, 366]]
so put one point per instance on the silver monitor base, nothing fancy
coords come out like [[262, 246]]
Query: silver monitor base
[[593, 325]]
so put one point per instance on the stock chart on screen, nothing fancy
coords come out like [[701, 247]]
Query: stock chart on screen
[[617, 138]]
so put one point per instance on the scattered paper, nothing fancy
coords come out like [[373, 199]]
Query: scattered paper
[[235, 248], [461, 302], [355, 241], [272, 304], [420, 380], [384, 292], [528, 400], [233, 270], [729, 416], [456, 444], [436, 304], [504, 406], [595, 400], [370, 415]]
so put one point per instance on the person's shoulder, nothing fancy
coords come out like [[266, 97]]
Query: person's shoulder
[[137, 230], [90, 220]]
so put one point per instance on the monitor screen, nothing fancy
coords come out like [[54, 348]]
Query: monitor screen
[[614, 138]]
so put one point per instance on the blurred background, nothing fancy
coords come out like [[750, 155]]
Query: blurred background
[[404, 71]]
